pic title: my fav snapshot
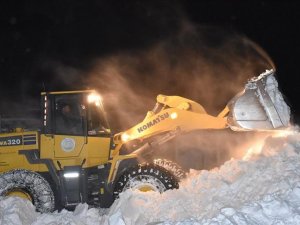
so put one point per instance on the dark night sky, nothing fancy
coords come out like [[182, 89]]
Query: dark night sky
[[74, 32]]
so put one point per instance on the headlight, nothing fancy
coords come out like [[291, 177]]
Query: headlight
[[174, 115], [125, 137]]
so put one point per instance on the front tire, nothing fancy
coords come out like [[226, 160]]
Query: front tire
[[171, 166], [147, 177], [30, 183]]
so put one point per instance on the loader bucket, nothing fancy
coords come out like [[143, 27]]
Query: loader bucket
[[260, 106]]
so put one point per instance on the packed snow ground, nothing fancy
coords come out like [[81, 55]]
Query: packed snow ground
[[261, 188]]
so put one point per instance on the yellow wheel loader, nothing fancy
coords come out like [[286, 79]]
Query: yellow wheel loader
[[74, 158]]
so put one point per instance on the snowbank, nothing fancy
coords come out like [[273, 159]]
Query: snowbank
[[17, 211], [263, 188]]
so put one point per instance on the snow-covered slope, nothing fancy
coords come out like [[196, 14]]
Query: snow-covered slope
[[262, 188]]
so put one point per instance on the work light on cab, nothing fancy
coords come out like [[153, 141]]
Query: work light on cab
[[94, 98]]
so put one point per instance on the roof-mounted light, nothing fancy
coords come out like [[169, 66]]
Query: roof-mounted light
[[94, 98]]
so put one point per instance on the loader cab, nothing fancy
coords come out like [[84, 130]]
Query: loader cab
[[74, 126], [74, 113]]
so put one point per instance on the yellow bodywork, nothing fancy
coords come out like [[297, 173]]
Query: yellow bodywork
[[20, 193], [67, 92], [89, 151], [95, 152], [9, 151], [175, 114]]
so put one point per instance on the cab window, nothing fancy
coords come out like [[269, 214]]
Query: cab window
[[69, 115], [97, 123]]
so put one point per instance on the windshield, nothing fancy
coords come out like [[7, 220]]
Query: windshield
[[97, 122]]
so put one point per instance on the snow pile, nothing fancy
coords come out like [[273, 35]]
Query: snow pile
[[263, 188], [17, 211]]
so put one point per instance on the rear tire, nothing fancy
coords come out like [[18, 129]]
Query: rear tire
[[31, 183], [148, 177]]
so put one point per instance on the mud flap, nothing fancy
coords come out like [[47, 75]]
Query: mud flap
[[260, 106]]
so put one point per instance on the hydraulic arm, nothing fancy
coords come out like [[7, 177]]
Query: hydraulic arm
[[260, 106]]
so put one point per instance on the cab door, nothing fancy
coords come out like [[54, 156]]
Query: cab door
[[98, 132], [69, 125]]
